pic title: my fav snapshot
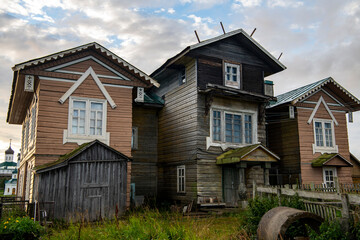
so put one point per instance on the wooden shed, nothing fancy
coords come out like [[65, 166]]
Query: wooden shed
[[90, 182]]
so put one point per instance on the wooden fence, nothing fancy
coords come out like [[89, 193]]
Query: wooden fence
[[329, 203]]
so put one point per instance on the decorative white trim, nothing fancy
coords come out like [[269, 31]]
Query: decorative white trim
[[83, 138], [324, 149], [58, 67], [72, 81], [329, 104], [88, 72], [81, 73], [324, 91], [321, 100]]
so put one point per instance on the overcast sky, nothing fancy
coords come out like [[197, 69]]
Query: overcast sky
[[318, 38]]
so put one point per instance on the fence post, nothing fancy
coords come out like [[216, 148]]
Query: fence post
[[254, 189], [278, 193], [345, 211], [337, 186]]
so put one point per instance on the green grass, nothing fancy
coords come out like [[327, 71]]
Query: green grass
[[151, 224]]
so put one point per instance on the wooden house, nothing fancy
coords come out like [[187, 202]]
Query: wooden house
[[307, 129], [214, 102], [356, 169], [73, 97]]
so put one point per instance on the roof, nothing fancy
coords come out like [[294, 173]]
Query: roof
[[11, 181], [8, 164], [81, 48], [302, 92], [9, 151], [215, 39], [238, 154], [325, 159], [64, 159]]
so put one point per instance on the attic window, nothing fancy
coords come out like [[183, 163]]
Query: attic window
[[232, 75]]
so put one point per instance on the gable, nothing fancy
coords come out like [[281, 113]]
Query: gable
[[79, 67], [322, 111]]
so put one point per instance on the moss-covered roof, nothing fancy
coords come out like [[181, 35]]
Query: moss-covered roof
[[64, 157], [326, 157], [236, 155]]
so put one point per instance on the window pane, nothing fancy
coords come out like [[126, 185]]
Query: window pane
[[248, 129], [318, 134], [234, 70], [79, 104], [92, 123], [228, 69], [328, 135], [216, 126], [96, 106]]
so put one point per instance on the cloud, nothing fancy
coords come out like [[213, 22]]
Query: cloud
[[171, 11], [284, 3], [249, 3]]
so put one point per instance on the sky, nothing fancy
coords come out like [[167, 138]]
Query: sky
[[318, 38]]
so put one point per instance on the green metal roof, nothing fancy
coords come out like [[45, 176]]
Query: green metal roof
[[326, 157], [11, 181], [7, 164], [153, 99], [302, 92], [236, 155]]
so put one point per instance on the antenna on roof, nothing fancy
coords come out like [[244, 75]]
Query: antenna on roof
[[253, 32], [280, 56], [222, 27], [197, 36]]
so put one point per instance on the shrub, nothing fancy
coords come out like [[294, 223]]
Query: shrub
[[21, 228]]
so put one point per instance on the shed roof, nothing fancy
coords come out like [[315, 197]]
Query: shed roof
[[326, 160], [239, 154], [302, 92], [64, 159], [240, 31]]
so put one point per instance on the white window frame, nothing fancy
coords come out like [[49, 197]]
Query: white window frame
[[231, 83], [324, 149], [181, 185], [68, 136], [328, 183], [222, 143], [134, 138]]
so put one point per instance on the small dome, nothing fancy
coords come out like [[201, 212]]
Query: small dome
[[9, 151]]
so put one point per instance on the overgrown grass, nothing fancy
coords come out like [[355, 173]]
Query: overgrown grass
[[151, 224]]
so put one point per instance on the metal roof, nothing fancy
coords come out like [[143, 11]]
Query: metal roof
[[80, 48], [212, 40], [300, 93]]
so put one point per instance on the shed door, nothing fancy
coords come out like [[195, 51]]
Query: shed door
[[231, 185]]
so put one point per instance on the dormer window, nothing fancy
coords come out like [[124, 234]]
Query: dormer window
[[232, 75]]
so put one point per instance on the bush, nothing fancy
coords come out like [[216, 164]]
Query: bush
[[334, 231], [20, 228]]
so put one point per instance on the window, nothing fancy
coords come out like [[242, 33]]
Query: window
[[134, 138], [232, 75], [87, 120], [181, 179], [238, 127], [183, 76], [329, 174], [324, 136]]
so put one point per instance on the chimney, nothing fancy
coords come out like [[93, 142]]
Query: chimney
[[269, 88]]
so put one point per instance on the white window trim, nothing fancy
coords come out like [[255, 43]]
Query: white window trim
[[324, 149], [80, 138], [238, 77], [329, 168], [178, 178], [224, 145]]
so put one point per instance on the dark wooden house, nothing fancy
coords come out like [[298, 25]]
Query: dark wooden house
[[76, 96], [88, 183], [215, 98], [307, 129], [356, 169]]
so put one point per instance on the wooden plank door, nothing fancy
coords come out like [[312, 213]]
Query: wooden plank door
[[231, 186]]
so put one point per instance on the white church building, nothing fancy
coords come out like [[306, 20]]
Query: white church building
[[9, 169]]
